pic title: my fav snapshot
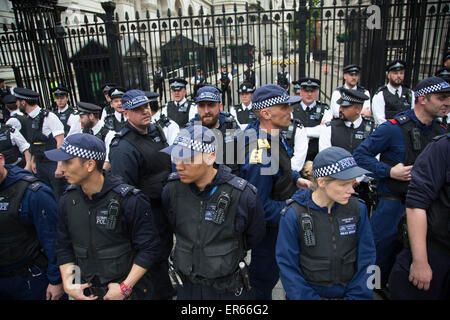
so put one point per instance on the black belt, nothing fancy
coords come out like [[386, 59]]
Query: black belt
[[387, 197], [41, 261]]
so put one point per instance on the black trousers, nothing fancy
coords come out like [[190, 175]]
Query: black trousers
[[226, 91]]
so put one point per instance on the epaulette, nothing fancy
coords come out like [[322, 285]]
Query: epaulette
[[360, 87], [173, 176], [71, 187], [441, 136], [124, 189], [325, 105], [393, 121], [328, 123], [286, 208], [402, 119], [238, 183], [380, 89], [369, 119], [118, 136], [35, 184], [45, 112], [297, 123]]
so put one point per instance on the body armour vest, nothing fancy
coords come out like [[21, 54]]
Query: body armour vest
[[100, 251], [157, 166], [111, 123], [347, 137], [282, 79], [18, 239], [38, 141], [291, 131], [244, 116], [64, 117], [101, 134], [10, 151], [311, 118], [393, 104], [108, 110], [179, 114], [224, 79], [250, 76], [415, 142], [24, 123], [206, 249], [330, 257]]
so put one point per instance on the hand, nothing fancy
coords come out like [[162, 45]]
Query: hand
[[58, 172], [29, 167], [114, 292], [366, 112], [54, 292], [420, 274], [304, 183], [76, 291], [401, 172]]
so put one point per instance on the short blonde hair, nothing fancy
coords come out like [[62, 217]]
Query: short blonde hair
[[327, 179]]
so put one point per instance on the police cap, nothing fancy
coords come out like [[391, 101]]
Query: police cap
[[9, 99], [107, 86], [60, 91], [86, 108], [26, 94], [82, 145], [443, 73], [350, 97], [309, 83], [271, 95], [176, 84], [352, 69], [246, 87], [396, 65], [152, 96], [431, 85], [116, 92]]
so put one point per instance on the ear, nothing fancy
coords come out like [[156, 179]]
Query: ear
[[91, 165], [265, 113], [209, 158], [220, 106]]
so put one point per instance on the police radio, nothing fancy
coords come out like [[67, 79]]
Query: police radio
[[308, 230], [221, 207], [415, 136], [113, 215]]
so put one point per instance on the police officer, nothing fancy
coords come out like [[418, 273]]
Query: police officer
[[447, 60], [197, 81], [14, 147], [296, 87], [242, 112], [399, 141], [225, 82], [231, 220], [283, 78], [351, 78], [105, 227], [169, 127], [65, 112], [107, 108], [4, 91], [423, 272], [249, 75], [28, 269], [393, 97], [351, 128], [325, 244], [134, 156], [116, 120], [311, 113], [209, 108], [267, 166], [443, 73], [17, 120], [179, 109], [158, 81], [45, 131]]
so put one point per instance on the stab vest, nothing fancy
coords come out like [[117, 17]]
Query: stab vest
[[250, 76], [282, 79], [18, 239], [111, 123], [38, 141], [179, 114], [64, 117], [224, 79], [291, 131], [393, 104], [332, 258], [10, 151], [348, 138], [24, 123], [244, 116], [101, 134]]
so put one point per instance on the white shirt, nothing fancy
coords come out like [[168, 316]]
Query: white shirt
[[104, 113], [300, 149], [313, 132], [14, 122], [378, 104], [334, 107], [325, 133], [51, 124], [108, 139], [234, 114], [171, 131], [73, 120], [18, 140], [192, 110]]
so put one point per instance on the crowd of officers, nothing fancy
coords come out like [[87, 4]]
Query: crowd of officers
[[137, 201]]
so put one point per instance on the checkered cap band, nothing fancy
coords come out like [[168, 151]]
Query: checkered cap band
[[270, 102], [339, 166], [17, 95], [431, 89], [209, 96], [134, 101], [177, 84], [195, 145], [117, 92], [81, 152], [351, 99]]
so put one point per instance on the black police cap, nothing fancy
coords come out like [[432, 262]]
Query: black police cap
[[352, 69], [85, 107], [152, 96], [444, 73], [350, 97], [26, 94], [309, 83], [177, 84], [447, 56], [116, 92], [249, 64], [246, 87], [9, 99], [283, 65], [60, 91], [396, 65], [107, 86]]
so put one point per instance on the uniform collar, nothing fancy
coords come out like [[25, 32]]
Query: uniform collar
[[98, 126], [118, 116], [181, 102], [356, 123], [392, 89], [14, 174], [353, 88], [33, 114], [64, 109], [304, 106], [156, 116], [249, 107]]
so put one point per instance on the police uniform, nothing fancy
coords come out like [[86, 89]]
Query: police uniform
[[182, 111], [429, 190], [211, 247], [99, 129], [115, 121], [13, 145], [43, 127], [273, 189], [67, 114], [283, 78], [16, 119], [250, 75], [158, 81], [399, 140], [388, 101], [443, 73], [118, 232], [197, 81], [107, 109], [225, 81], [296, 86], [27, 233], [134, 156], [4, 91], [241, 112], [325, 254], [334, 107], [311, 116]]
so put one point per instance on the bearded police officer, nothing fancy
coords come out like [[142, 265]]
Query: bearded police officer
[[116, 121], [134, 156], [28, 269], [283, 78], [399, 141], [351, 79], [242, 112], [423, 272], [267, 166], [226, 80], [45, 131], [179, 109], [65, 112], [231, 220], [394, 97], [325, 244], [169, 127], [105, 227], [107, 108]]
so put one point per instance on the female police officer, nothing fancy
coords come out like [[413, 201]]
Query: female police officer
[[325, 243]]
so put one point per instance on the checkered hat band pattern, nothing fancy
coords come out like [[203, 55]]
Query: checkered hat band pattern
[[136, 100], [196, 145], [17, 95], [270, 102], [337, 167], [431, 89], [177, 84], [209, 96], [348, 98], [82, 153]]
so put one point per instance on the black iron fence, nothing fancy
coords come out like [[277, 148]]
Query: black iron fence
[[45, 47]]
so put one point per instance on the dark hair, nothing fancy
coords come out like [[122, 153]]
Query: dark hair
[[154, 105], [98, 163]]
